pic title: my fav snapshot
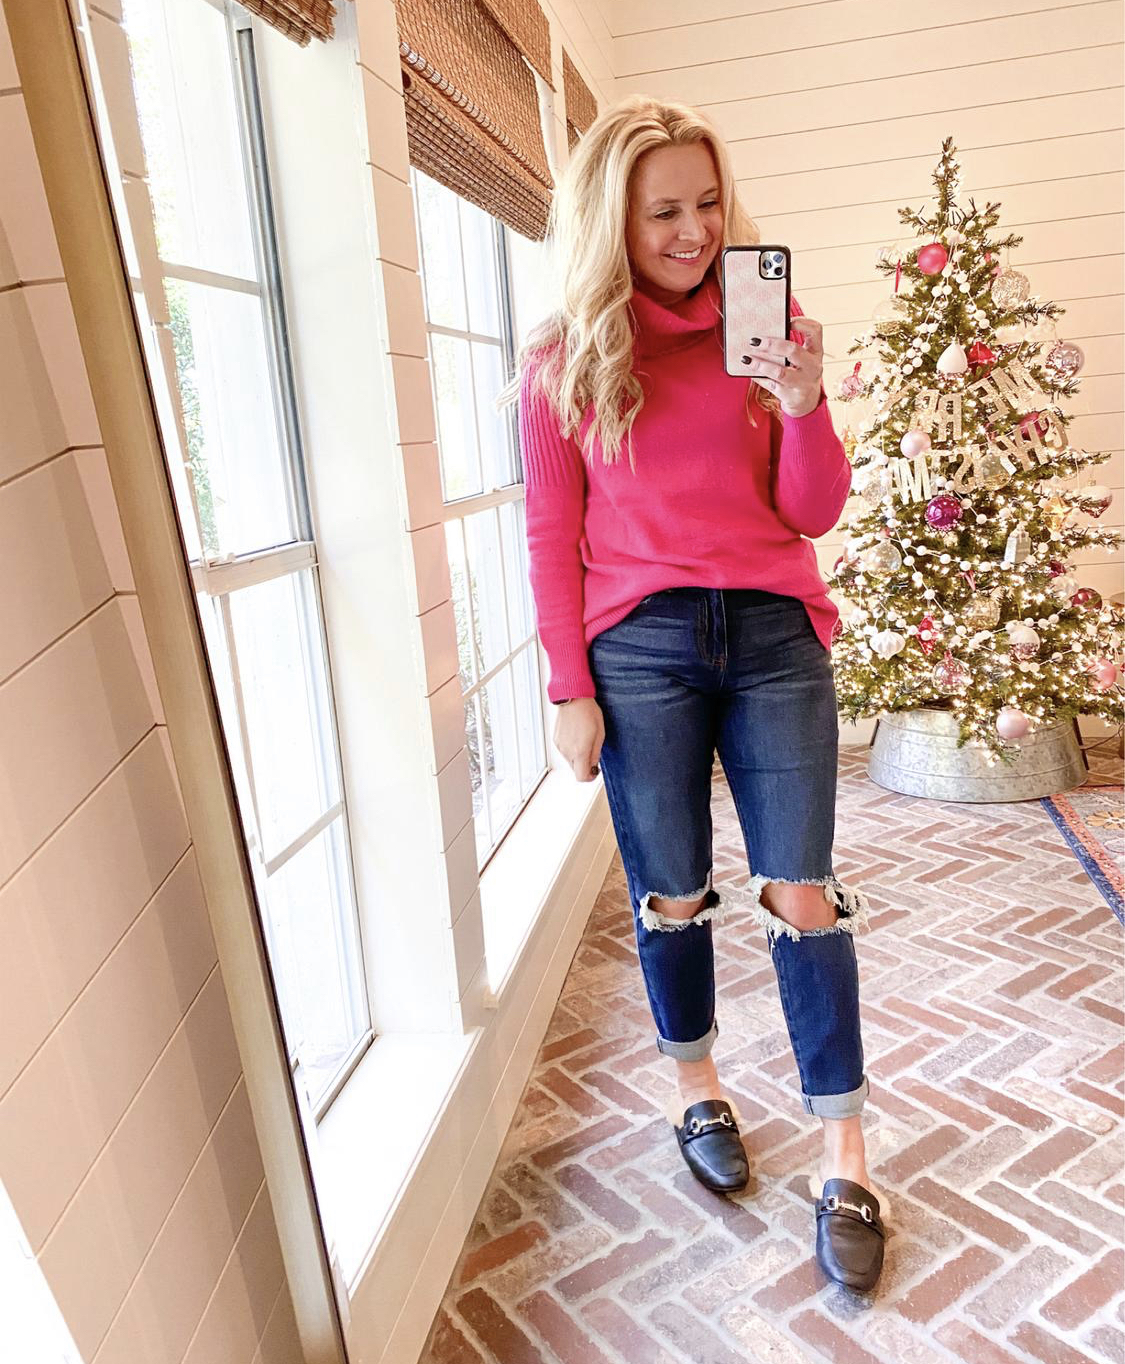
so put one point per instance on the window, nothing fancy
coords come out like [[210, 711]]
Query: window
[[227, 404], [466, 268]]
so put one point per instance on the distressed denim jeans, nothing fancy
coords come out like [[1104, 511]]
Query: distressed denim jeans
[[689, 672]]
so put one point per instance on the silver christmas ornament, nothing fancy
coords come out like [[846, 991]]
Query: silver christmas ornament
[[992, 472], [980, 612], [876, 484], [1009, 288], [882, 558]]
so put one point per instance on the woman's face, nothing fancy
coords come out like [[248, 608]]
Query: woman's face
[[674, 226]]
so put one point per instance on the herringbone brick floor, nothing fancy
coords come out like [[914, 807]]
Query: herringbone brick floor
[[992, 1023]]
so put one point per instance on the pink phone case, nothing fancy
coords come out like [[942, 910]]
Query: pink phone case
[[753, 305]]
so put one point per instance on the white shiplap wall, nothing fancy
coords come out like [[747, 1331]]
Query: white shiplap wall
[[835, 114]]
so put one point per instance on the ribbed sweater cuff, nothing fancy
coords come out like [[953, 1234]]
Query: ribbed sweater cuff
[[570, 672], [807, 440]]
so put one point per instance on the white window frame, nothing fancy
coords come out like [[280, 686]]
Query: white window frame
[[456, 510], [217, 577]]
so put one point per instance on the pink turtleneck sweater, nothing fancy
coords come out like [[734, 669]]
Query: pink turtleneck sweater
[[714, 502]]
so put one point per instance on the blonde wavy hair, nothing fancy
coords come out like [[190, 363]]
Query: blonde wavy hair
[[588, 342]]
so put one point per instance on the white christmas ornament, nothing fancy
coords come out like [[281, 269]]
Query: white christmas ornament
[[952, 360], [887, 643], [914, 442]]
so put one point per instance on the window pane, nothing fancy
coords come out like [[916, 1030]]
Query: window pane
[[529, 717], [481, 279], [459, 577], [482, 539], [514, 537], [218, 655], [496, 444], [440, 245], [501, 752], [472, 740], [284, 692], [314, 930], [533, 289], [186, 99], [457, 437], [226, 390]]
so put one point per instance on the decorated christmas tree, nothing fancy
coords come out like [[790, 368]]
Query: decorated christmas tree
[[960, 593]]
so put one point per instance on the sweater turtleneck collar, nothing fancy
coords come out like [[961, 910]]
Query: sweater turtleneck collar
[[660, 328]]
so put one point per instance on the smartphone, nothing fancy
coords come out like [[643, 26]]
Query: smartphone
[[756, 288]]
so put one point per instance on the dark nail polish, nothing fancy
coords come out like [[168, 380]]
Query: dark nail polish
[[755, 340]]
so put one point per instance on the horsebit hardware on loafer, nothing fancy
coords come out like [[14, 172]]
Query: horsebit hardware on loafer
[[697, 1125], [833, 1203]]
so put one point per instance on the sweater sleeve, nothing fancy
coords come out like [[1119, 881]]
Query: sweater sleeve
[[810, 474], [555, 488]]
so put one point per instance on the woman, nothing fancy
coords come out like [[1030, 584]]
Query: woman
[[682, 613]]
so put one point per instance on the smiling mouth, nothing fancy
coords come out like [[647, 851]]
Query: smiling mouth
[[686, 256]]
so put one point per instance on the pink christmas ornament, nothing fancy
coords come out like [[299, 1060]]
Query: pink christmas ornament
[[943, 512], [927, 634], [1104, 672], [932, 259], [1094, 500], [1012, 723], [851, 385], [914, 442], [1056, 568], [837, 630], [950, 675], [1064, 360], [1023, 642], [1087, 597]]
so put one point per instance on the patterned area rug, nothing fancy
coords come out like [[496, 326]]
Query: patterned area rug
[[1092, 820], [992, 1028]]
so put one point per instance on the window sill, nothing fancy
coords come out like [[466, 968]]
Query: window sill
[[517, 881], [369, 1141], [369, 1144]]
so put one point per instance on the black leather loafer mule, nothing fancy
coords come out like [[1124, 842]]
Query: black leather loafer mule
[[712, 1146], [849, 1234]]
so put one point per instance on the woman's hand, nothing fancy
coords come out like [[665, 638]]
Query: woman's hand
[[579, 732], [792, 371]]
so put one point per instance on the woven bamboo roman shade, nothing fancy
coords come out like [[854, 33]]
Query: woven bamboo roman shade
[[581, 106], [297, 19], [472, 110], [526, 24]]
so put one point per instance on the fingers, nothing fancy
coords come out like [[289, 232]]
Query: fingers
[[811, 330], [585, 771]]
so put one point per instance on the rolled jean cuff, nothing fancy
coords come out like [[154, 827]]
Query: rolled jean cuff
[[689, 1051], [847, 1105]]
